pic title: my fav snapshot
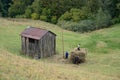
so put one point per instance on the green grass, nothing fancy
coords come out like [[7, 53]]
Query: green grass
[[103, 58]]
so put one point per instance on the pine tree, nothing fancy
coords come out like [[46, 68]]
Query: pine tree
[[103, 19]]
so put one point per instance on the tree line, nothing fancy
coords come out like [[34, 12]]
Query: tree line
[[76, 15]]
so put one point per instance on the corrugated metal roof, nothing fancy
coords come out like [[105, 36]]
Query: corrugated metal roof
[[34, 33]]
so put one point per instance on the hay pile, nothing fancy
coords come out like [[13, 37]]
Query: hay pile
[[77, 56]]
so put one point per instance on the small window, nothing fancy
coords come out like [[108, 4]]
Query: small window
[[31, 40]]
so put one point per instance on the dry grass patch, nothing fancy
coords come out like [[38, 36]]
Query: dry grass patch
[[101, 44], [13, 67]]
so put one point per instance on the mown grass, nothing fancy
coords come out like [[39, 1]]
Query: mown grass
[[103, 58]]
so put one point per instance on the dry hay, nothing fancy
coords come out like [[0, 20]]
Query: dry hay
[[77, 56]]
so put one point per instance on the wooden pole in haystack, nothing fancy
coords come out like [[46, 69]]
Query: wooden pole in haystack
[[62, 43]]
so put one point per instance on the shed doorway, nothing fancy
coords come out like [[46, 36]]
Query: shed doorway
[[31, 46], [34, 48]]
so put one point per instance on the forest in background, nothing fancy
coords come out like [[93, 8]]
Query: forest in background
[[74, 15]]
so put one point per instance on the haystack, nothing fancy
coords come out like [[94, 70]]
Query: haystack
[[77, 56]]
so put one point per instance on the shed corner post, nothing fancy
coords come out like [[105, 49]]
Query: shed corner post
[[27, 45]]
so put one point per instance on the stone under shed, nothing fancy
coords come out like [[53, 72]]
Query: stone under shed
[[38, 43]]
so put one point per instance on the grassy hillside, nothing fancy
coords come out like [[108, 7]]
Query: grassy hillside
[[103, 59]]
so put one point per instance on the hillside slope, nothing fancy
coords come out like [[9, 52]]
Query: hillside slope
[[13, 67], [103, 58]]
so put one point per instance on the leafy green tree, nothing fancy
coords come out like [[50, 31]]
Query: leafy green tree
[[18, 7], [4, 5], [66, 16], [118, 8], [15, 10], [92, 5], [37, 6], [75, 15], [54, 10], [1, 8], [28, 12], [47, 12]]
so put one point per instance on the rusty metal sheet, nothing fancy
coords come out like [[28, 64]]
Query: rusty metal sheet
[[34, 33]]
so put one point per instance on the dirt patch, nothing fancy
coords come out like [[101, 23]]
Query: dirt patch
[[57, 59]]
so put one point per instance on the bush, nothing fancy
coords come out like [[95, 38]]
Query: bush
[[54, 19], [68, 25], [66, 16], [0, 14], [87, 25], [72, 26], [43, 18], [82, 26], [20, 16], [35, 16], [116, 20]]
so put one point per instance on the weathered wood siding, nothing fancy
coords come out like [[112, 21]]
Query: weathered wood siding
[[24, 48], [23, 44], [47, 45], [44, 47]]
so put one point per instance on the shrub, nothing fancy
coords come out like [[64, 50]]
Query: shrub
[[87, 25], [20, 16], [54, 19], [35, 16], [0, 14], [73, 26], [82, 26], [66, 16], [43, 18], [116, 20]]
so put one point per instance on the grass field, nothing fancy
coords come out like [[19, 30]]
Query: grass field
[[103, 58]]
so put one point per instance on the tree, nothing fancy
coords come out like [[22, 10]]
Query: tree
[[46, 12], [1, 8], [66, 16], [118, 8], [75, 14], [103, 19], [108, 5], [28, 12], [37, 6], [92, 5], [18, 7], [4, 5]]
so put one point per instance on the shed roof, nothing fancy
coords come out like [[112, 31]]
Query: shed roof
[[35, 33]]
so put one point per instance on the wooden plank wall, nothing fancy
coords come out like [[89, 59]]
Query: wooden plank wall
[[44, 47], [47, 45], [23, 44]]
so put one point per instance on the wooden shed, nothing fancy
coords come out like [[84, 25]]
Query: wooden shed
[[38, 43]]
